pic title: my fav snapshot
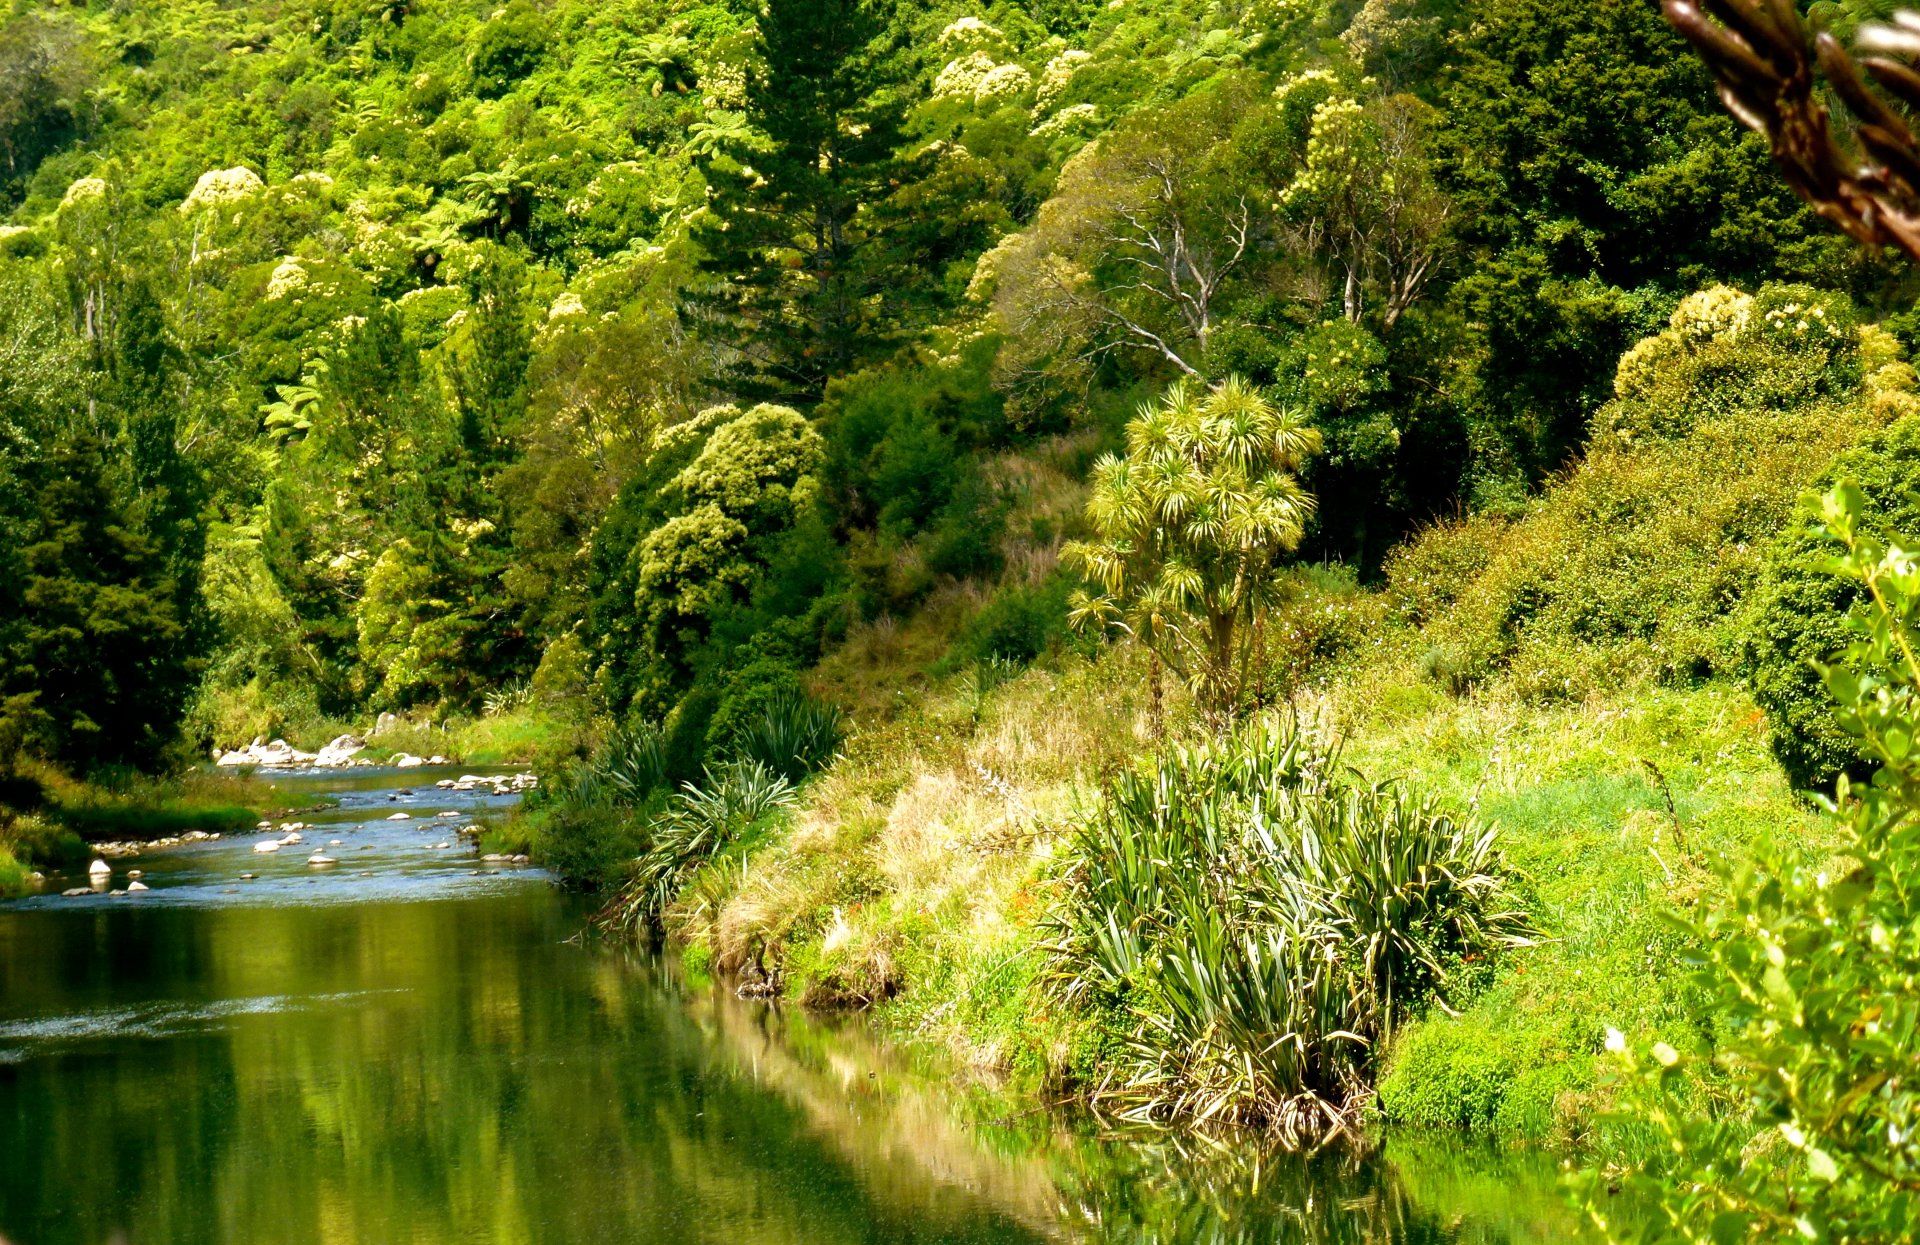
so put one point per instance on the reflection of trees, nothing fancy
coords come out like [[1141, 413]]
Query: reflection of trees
[[482, 1082]]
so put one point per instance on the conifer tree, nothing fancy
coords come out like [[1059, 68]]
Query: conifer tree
[[801, 287]]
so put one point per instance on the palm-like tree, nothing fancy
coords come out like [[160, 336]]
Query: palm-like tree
[[1192, 522]]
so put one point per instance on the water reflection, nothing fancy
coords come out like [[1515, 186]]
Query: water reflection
[[1071, 1179], [441, 1065]]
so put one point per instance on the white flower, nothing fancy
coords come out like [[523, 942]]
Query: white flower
[[219, 186], [963, 75], [1055, 77], [84, 189], [1616, 1041], [1002, 82], [567, 304], [969, 32], [288, 278], [1068, 118]]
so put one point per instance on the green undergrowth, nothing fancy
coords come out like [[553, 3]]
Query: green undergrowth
[[1612, 810]]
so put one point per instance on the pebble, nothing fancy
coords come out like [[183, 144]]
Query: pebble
[[137, 886], [318, 859], [99, 868], [271, 845], [401, 817], [77, 890]]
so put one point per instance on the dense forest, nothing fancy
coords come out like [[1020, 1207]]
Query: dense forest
[[863, 436]]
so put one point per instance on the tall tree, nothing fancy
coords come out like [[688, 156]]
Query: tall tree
[[98, 637], [801, 283]]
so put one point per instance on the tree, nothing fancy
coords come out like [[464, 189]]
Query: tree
[[1137, 244], [791, 241], [1364, 205], [97, 638], [1192, 522]]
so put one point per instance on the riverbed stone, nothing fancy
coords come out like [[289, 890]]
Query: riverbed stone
[[99, 868]]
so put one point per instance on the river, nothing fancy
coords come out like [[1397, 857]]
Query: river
[[409, 1046]]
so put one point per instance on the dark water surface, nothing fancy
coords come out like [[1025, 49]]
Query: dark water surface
[[406, 1047]]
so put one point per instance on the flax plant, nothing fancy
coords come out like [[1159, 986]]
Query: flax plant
[[1265, 920]]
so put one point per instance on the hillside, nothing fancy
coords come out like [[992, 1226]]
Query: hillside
[[1014, 516]]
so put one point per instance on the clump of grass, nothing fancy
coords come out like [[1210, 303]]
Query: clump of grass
[[729, 810], [793, 737], [1267, 919]]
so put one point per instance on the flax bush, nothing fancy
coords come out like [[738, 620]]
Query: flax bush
[[1264, 919]]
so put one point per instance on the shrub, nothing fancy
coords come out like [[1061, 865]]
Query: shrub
[[1636, 563], [1811, 963], [1796, 614], [590, 845], [1269, 921], [794, 736], [729, 809], [1019, 623]]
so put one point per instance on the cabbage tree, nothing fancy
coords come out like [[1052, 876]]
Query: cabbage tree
[[1192, 522]]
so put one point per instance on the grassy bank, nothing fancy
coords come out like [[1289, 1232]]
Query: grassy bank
[[919, 871], [1575, 673], [49, 820]]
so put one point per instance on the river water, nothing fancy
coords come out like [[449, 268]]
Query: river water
[[412, 1047]]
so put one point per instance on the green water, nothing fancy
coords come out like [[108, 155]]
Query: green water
[[406, 1047]]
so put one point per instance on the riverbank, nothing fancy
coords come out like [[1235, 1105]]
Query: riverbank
[[410, 1044], [50, 820], [918, 873]]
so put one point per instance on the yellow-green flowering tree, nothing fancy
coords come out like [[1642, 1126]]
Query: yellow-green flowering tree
[[1192, 523]]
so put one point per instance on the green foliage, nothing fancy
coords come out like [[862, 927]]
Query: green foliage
[[1192, 523], [1638, 560], [793, 736], [1270, 922], [726, 812], [90, 621], [1796, 617], [1811, 965], [1020, 624], [805, 177]]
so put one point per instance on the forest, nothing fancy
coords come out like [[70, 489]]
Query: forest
[[1277, 562]]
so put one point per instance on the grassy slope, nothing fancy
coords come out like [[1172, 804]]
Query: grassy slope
[[1589, 646]]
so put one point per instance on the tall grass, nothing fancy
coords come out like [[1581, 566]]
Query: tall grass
[[1264, 919]]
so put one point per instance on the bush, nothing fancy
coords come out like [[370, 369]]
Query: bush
[[1637, 561], [1019, 623], [1810, 962], [588, 845], [794, 736], [729, 810], [1270, 922], [1796, 614]]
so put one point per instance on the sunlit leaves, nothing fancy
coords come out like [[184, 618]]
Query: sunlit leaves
[[1191, 525]]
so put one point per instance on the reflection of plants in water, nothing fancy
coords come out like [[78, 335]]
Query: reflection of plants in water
[[1169, 1190]]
